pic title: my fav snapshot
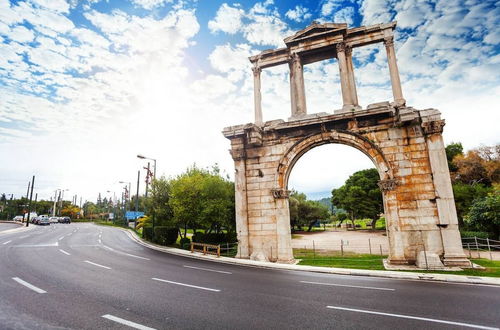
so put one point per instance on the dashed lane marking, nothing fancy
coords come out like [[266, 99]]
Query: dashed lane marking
[[124, 253], [127, 322], [349, 286], [208, 270], [66, 253], [28, 285], [187, 285], [4, 243], [98, 265], [468, 325]]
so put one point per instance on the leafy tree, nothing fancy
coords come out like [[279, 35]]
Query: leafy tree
[[304, 212], [360, 196], [481, 165], [484, 214], [452, 150], [465, 194], [70, 211]]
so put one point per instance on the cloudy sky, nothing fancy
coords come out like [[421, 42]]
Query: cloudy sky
[[86, 85]]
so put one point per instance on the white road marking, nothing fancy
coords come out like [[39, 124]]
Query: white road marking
[[66, 253], [7, 242], [100, 242], [184, 284], [93, 263], [468, 325], [28, 285], [60, 238], [350, 286], [126, 322], [24, 236], [38, 245], [208, 270], [126, 254]]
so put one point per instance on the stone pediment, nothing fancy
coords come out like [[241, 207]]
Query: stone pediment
[[316, 30]]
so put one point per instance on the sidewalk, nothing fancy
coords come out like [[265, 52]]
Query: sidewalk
[[22, 227], [342, 271]]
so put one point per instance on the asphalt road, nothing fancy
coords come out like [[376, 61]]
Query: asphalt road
[[83, 276], [7, 226]]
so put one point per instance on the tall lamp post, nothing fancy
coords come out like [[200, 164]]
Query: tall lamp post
[[55, 199], [154, 177]]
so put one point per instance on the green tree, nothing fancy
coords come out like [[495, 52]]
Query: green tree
[[305, 213], [484, 214], [453, 149], [159, 202], [360, 196], [465, 194]]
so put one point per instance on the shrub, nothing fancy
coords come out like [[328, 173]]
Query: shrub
[[185, 243], [147, 233], [166, 235], [472, 234]]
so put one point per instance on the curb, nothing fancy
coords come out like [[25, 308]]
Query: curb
[[15, 230], [457, 279]]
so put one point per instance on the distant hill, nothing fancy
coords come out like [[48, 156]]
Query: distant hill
[[328, 203]]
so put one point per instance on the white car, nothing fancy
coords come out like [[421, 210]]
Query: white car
[[18, 218], [54, 219], [43, 220]]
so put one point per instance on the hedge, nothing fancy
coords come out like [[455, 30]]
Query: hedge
[[166, 235], [185, 243], [147, 233]]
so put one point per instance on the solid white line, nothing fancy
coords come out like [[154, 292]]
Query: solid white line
[[30, 286], [208, 270], [125, 322], [414, 318], [60, 238], [7, 242], [93, 263], [66, 253], [188, 285], [350, 286]]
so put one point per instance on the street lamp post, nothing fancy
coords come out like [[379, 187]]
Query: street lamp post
[[127, 198], [154, 177]]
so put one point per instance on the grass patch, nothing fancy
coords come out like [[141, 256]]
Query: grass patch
[[374, 262]]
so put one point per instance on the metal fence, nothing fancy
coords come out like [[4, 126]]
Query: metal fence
[[478, 247]]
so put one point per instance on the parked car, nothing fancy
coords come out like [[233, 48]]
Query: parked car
[[18, 218], [43, 220], [54, 219], [64, 220]]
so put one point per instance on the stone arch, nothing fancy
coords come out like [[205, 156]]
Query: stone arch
[[299, 148]]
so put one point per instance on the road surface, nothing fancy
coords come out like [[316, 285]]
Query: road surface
[[84, 276], [7, 226]]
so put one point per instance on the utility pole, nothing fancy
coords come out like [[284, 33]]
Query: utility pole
[[29, 205], [27, 193], [137, 198]]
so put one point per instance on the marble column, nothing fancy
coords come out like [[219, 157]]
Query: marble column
[[393, 70], [241, 207], [344, 78], [297, 87], [257, 97], [350, 76]]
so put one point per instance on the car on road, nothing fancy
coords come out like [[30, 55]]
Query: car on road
[[64, 220], [18, 218], [43, 220], [54, 219]]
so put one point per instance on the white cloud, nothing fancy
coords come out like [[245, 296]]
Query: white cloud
[[298, 14], [21, 34], [150, 4], [228, 19], [54, 5], [344, 15], [328, 7], [231, 60]]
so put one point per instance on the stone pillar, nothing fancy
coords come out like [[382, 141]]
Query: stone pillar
[[393, 70], [241, 205], [297, 88], [283, 231], [257, 98], [448, 222], [344, 78], [350, 76]]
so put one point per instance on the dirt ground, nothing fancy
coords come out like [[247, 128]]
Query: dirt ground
[[358, 241]]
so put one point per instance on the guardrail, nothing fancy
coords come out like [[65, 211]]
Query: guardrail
[[205, 248], [480, 245]]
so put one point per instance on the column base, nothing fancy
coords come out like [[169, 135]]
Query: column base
[[399, 103], [458, 261], [286, 261]]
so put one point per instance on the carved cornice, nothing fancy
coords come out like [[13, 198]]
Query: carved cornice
[[433, 127], [280, 193], [388, 184]]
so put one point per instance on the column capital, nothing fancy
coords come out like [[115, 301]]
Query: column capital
[[433, 127], [280, 193], [389, 41], [294, 58], [348, 51], [256, 70], [388, 184], [340, 47]]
